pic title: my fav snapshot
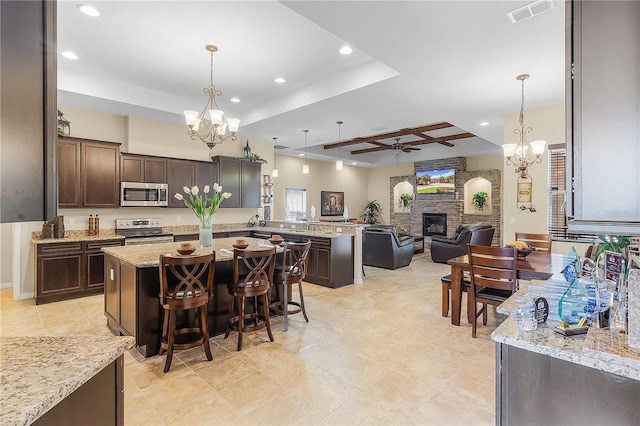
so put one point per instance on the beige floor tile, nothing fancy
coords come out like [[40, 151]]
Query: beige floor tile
[[372, 354]]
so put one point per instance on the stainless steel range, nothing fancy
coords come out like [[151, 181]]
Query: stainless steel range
[[142, 231]]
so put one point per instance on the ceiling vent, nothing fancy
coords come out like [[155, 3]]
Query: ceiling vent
[[530, 10]]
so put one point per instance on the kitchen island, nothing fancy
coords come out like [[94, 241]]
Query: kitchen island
[[543, 377], [74, 380], [132, 304]]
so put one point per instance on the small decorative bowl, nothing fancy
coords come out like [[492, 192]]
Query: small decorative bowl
[[276, 241], [523, 253], [240, 246], [186, 251]]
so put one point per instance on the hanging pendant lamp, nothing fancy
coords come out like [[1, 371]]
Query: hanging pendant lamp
[[339, 164], [305, 166]]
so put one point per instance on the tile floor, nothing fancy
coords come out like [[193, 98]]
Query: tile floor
[[375, 353]]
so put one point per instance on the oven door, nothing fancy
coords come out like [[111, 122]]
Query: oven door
[[137, 194]]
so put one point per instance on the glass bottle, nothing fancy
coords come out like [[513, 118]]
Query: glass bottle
[[96, 227], [91, 224]]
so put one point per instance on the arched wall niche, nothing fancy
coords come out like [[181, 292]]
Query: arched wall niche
[[400, 188], [473, 186]]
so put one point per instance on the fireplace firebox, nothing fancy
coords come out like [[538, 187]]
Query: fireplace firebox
[[434, 224]]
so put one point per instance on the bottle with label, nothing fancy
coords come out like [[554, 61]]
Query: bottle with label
[[96, 227], [91, 224]]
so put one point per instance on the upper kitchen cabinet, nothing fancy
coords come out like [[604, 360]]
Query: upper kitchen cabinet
[[141, 168], [88, 173], [242, 179], [181, 173], [603, 116]]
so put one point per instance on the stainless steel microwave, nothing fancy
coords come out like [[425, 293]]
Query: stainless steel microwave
[[138, 194]]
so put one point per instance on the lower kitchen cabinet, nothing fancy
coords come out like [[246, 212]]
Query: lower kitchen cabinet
[[70, 269]]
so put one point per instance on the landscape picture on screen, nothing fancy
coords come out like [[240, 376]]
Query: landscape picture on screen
[[436, 181]]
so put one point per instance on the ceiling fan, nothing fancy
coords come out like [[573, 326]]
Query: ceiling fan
[[402, 147]]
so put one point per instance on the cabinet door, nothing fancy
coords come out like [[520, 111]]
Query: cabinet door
[[230, 170], [179, 175], [100, 179], [251, 184], [69, 174], [96, 263], [59, 271], [112, 281], [132, 168], [127, 302], [155, 170], [205, 174]]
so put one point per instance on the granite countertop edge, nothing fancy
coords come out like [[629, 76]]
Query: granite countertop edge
[[39, 372], [572, 349]]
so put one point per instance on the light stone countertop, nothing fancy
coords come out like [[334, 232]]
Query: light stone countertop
[[597, 349], [37, 373], [77, 235], [144, 256]]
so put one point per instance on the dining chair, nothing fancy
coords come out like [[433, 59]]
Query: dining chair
[[186, 283], [292, 271], [252, 278], [493, 279], [542, 242], [446, 290]]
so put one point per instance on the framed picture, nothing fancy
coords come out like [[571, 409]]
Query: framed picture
[[332, 203]]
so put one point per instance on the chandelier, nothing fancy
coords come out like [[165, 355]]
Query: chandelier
[[211, 130], [523, 154]]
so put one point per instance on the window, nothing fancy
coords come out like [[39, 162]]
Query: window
[[557, 196], [295, 204]]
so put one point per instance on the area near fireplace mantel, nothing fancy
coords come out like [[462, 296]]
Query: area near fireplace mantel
[[451, 204]]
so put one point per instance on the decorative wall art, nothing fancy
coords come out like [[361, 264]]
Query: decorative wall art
[[332, 203]]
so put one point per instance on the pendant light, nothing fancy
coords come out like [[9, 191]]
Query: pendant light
[[339, 164], [275, 168], [305, 166]]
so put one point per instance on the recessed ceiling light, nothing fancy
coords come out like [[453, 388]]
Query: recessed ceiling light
[[354, 163], [301, 154], [234, 100], [279, 80], [69, 55], [484, 123], [88, 10], [346, 50]]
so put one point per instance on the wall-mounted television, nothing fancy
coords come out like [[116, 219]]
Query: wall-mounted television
[[436, 181]]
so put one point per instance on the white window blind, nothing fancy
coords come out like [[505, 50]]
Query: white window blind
[[295, 204]]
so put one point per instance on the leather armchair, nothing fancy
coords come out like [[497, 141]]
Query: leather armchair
[[443, 248], [384, 248]]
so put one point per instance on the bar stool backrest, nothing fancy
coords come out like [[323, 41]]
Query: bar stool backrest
[[296, 260], [186, 281], [253, 270]]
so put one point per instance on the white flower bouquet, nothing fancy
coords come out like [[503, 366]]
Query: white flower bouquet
[[202, 205]]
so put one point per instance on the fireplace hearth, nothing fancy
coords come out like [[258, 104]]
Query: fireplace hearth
[[434, 224]]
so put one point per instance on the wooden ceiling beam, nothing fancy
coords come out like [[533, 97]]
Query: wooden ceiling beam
[[417, 131]]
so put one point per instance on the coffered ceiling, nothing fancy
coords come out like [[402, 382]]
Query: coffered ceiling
[[414, 64]]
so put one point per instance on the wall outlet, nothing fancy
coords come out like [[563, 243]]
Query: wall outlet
[[281, 225], [338, 230], [178, 218], [512, 221], [72, 221]]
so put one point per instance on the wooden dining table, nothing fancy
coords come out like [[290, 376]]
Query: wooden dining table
[[538, 265]]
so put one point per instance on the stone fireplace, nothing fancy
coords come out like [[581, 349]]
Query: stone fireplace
[[434, 224]]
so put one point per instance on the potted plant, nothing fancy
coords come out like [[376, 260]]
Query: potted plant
[[255, 158], [479, 200], [371, 213], [405, 201]]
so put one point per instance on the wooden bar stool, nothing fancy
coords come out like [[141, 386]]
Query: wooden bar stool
[[252, 277], [183, 287], [292, 271]]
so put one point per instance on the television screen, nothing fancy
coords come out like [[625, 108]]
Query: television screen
[[436, 181]]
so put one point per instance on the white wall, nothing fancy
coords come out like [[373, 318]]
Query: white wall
[[379, 185]]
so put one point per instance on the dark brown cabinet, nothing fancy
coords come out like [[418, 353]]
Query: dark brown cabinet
[[88, 173], [120, 297], [70, 270], [181, 173], [242, 179], [140, 168]]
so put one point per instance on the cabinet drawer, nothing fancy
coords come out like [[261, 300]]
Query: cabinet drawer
[[321, 242], [97, 245], [56, 249]]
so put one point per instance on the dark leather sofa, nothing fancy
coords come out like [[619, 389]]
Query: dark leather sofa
[[384, 248], [443, 248]]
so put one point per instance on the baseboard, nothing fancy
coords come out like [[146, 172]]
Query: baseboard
[[6, 285], [26, 296]]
